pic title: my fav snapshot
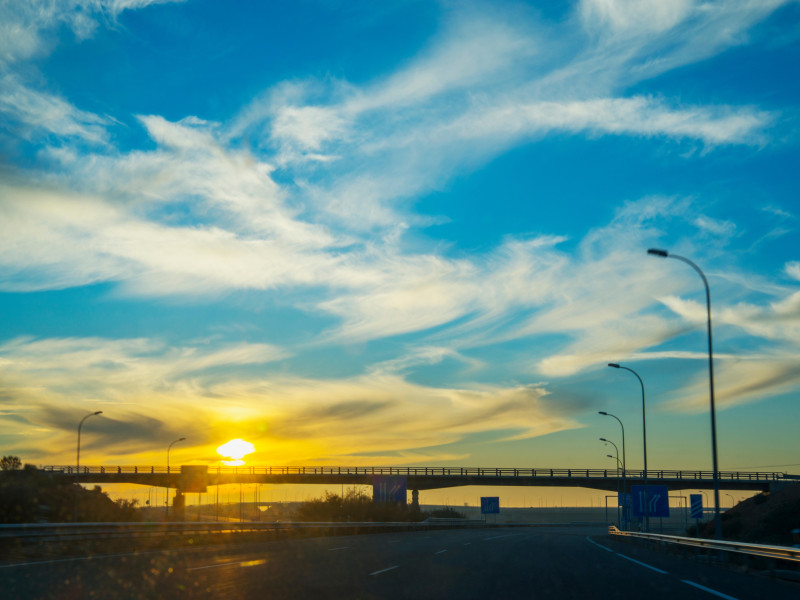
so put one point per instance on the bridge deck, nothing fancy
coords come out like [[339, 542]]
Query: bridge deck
[[425, 478]]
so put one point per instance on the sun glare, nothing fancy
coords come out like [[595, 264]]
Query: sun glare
[[234, 451]]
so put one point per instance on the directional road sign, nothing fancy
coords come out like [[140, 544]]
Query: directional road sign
[[490, 505], [696, 501], [657, 501], [389, 488]]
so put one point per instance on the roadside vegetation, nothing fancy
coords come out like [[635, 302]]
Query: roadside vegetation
[[357, 506], [28, 495]]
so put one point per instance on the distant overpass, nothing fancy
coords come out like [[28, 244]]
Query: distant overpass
[[427, 478]]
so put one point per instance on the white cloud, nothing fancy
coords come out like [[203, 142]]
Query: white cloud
[[36, 112], [716, 226], [638, 16], [793, 269], [738, 382]]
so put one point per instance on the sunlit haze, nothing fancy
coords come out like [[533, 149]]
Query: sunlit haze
[[234, 451], [399, 233]]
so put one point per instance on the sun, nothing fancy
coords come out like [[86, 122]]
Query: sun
[[234, 451]]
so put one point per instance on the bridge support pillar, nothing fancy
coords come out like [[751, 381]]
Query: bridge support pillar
[[415, 499], [178, 506]]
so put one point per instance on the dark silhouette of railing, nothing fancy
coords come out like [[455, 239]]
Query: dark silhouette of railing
[[425, 477]]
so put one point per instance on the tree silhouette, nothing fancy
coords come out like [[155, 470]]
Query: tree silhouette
[[10, 463]]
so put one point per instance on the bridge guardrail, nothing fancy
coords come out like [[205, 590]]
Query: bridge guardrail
[[437, 471], [764, 551]]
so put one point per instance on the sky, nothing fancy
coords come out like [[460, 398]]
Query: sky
[[405, 233]]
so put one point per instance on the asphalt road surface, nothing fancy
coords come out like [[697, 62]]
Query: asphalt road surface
[[502, 563]]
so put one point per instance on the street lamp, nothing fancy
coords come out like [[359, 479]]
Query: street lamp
[[717, 518], [168, 449], [624, 473], [619, 522], [644, 435], [78, 461], [733, 501]]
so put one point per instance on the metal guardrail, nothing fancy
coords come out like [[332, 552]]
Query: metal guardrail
[[62, 532], [764, 551], [438, 472]]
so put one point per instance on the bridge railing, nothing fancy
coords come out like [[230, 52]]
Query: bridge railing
[[479, 472]]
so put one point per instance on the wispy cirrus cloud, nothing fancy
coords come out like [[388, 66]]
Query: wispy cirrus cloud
[[147, 389]]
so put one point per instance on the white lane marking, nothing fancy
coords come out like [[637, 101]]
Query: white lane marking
[[709, 590], [467, 543], [497, 537], [339, 548], [210, 566], [440, 552], [240, 563], [384, 570], [77, 558], [638, 562], [591, 541]]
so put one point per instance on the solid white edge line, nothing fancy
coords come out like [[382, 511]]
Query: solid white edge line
[[709, 590], [638, 562], [384, 570], [441, 552], [590, 540], [339, 548]]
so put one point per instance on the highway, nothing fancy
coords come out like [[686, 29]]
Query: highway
[[491, 563]]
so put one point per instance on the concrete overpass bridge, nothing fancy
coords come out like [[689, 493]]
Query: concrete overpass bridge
[[188, 477]]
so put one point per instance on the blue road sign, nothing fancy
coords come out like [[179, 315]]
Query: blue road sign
[[490, 505], [389, 488], [657, 501], [624, 500], [696, 502]]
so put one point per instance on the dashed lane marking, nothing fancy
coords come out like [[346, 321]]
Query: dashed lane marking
[[497, 537], [384, 570]]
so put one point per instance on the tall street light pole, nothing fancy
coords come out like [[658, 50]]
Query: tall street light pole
[[644, 436], [717, 517], [618, 465], [78, 461], [624, 468], [168, 449]]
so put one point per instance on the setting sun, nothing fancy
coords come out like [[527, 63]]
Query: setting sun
[[234, 451]]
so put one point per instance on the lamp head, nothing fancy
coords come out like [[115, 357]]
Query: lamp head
[[603, 440], [99, 412], [657, 252], [602, 412], [615, 365], [609, 456], [182, 440]]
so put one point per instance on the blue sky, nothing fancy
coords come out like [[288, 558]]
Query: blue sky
[[410, 235]]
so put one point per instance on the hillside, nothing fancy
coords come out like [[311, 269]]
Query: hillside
[[767, 518]]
